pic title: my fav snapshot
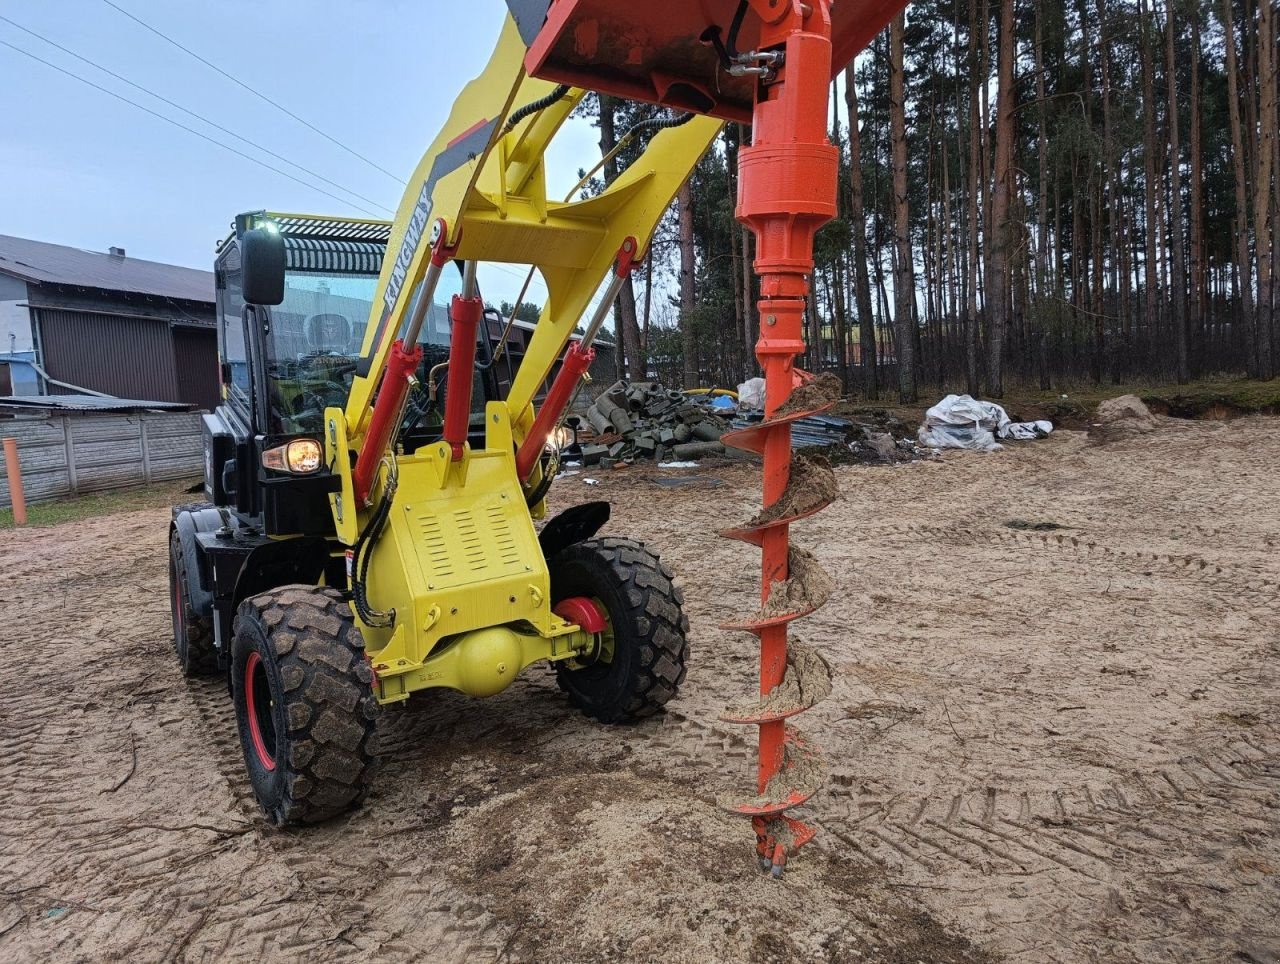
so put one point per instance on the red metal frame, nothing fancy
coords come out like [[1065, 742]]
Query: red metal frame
[[465, 315], [393, 390], [576, 362]]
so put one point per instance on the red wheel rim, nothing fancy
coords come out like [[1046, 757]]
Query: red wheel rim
[[251, 667]]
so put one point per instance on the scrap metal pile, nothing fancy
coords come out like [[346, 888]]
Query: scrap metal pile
[[645, 421]]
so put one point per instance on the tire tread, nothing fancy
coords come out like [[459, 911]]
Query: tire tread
[[331, 711], [661, 624]]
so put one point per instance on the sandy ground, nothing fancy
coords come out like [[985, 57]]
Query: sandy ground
[[1046, 745]]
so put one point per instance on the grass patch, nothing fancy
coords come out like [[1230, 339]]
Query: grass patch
[[61, 511]]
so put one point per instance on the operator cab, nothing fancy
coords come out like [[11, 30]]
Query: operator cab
[[283, 364]]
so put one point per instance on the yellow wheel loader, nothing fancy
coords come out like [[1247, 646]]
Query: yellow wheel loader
[[378, 468]]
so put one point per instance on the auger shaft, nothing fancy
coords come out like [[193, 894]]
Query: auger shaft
[[786, 191]]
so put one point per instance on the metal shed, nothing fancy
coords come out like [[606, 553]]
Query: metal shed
[[105, 322]]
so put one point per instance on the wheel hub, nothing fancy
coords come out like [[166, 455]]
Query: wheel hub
[[589, 613]]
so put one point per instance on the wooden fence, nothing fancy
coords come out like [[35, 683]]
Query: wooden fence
[[64, 455]]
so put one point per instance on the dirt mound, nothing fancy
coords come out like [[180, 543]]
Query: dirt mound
[[812, 484], [821, 390], [807, 681], [609, 867], [1121, 418]]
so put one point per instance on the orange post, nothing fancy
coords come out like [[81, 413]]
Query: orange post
[[16, 494]]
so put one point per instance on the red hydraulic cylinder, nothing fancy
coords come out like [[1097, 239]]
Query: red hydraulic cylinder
[[394, 390], [465, 313], [576, 361]]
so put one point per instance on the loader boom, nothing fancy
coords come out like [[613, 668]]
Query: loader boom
[[485, 182]]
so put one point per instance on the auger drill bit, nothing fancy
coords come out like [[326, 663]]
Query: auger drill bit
[[786, 191]]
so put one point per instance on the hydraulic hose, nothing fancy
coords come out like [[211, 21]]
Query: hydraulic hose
[[363, 552], [541, 103]]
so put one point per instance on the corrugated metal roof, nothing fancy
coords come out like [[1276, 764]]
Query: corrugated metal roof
[[40, 261], [86, 403]]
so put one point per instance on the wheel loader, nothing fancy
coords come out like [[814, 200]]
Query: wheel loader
[[377, 470]]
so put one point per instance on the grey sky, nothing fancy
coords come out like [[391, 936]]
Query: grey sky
[[84, 169]]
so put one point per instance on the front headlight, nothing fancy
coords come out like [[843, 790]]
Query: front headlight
[[302, 456]]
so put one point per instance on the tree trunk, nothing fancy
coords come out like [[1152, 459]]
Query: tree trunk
[[1262, 182], [858, 226], [1001, 228], [1243, 273], [1196, 185], [976, 80], [903, 282], [625, 311], [1150, 178], [688, 339], [1178, 283]]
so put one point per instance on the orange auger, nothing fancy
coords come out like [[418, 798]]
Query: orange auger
[[787, 190], [773, 66]]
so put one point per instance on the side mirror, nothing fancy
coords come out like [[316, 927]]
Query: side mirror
[[262, 262]]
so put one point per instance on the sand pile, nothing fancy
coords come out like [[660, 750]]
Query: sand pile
[[807, 681], [1122, 418]]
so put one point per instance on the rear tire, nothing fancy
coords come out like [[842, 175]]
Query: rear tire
[[304, 703], [192, 631], [642, 604]]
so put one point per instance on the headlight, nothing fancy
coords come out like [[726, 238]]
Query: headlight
[[302, 456]]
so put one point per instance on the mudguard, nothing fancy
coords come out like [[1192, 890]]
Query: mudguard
[[575, 524], [188, 520]]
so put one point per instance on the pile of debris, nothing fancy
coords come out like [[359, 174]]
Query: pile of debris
[[871, 436], [644, 421]]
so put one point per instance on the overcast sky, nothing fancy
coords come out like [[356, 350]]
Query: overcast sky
[[79, 167]]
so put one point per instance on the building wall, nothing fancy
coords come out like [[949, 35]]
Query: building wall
[[124, 357], [126, 345], [195, 354], [17, 345]]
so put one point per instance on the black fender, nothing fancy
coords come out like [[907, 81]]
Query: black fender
[[280, 562], [189, 521], [575, 524]]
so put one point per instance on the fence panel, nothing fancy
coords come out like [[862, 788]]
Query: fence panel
[[64, 455]]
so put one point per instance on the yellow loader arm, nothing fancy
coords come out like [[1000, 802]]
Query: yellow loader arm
[[450, 586], [487, 184]]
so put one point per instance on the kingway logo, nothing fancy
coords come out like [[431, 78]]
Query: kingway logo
[[409, 247]]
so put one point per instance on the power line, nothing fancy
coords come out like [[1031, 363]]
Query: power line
[[189, 130], [235, 80], [191, 113]]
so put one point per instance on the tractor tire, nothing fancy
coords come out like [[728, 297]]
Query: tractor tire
[[192, 631], [648, 629], [303, 694]]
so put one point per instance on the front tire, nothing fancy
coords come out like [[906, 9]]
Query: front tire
[[192, 630], [639, 661], [304, 703]]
